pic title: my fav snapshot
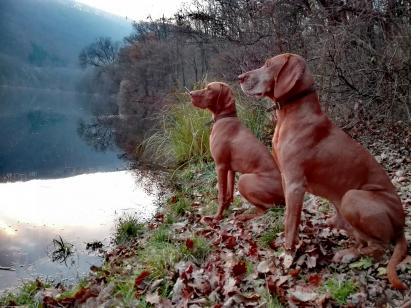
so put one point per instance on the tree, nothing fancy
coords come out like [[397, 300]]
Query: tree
[[100, 53]]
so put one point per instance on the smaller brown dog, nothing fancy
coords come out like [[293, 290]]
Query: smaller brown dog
[[234, 148]]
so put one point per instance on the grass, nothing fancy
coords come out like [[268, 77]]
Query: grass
[[199, 250], [275, 224], [183, 132], [270, 300], [363, 264], [70, 293], [24, 296], [180, 207], [340, 290], [127, 228], [159, 258], [124, 289], [62, 250], [161, 235], [324, 206], [183, 135], [255, 117]]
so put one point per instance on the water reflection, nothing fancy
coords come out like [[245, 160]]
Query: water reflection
[[81, 209]]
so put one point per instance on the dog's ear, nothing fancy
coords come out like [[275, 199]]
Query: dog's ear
[[288, 76], [225, 98]]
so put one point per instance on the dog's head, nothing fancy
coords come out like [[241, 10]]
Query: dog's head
[[279, 78], [216, 96]]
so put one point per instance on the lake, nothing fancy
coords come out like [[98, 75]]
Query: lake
[[54, 183]]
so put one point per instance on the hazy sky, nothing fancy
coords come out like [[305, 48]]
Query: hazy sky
[[137, 9]]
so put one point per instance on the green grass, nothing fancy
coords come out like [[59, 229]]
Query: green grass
[[324, 206], [271, 301], [364, 263], [24, 295], [275, 222], [159, 258], [124, 289], [180, 207], [340, 290], [161, 235], [70, 293], [199, 252], [183, 134], [127, 228], [255, 117]]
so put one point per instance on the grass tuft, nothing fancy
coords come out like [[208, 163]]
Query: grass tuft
[[127, 228], [159, 258], [199, 251], [340, 290], [180, 207], [24, 296], [275, 221], [183, 135]]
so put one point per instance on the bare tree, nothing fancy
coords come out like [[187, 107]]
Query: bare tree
[[100, 53]]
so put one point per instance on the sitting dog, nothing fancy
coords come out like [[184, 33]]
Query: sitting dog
[[235, 149], [316, 156]]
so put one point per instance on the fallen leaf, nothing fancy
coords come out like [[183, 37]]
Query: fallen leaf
[[294, 272], [153, 298], [240, 268], [140, 278], [288, 261], [314, 279], [311, 262], [302, 294], [281, 280], [263, 267], [189, 244], [230, 242]]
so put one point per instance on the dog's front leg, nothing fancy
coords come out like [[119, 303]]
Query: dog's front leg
[[294, 198], [222, 174], [230, 186]]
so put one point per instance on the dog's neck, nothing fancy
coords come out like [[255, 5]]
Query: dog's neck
[[280, 104], [231, 114]]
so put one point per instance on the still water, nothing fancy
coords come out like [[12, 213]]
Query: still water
[[80, 209], [53, 183]]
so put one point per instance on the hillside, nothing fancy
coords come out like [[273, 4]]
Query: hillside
[[52, 32]]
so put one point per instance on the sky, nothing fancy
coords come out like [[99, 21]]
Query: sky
[[136, 9]]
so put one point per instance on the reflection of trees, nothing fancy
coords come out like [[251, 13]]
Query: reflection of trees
[[106, 132], [97, 133]]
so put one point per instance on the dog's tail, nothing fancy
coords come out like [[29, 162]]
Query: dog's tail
[[400, 251]]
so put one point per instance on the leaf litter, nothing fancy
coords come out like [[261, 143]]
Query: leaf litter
[[240, 272]]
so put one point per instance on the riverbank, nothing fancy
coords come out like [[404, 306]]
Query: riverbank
[[176, 260]]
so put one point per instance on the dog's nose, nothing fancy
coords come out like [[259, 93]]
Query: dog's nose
[[190, 93], [242, 78]]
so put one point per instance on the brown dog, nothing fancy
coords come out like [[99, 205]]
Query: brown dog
[[234, 148], [316, 156]]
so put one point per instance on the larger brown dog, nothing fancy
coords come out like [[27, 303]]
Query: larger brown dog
[[316, 156], [234, 148]]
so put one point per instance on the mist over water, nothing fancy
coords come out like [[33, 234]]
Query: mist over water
[[39, 135]]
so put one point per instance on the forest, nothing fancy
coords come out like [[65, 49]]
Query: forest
[[358, 50]]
